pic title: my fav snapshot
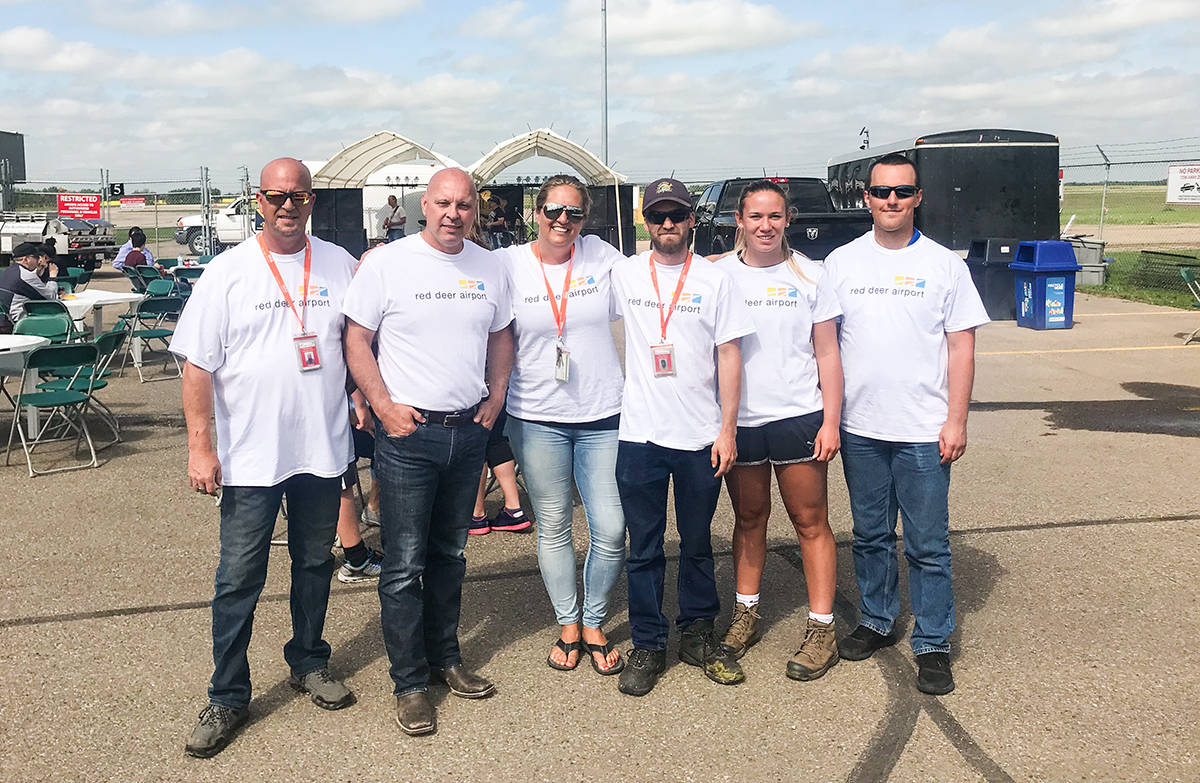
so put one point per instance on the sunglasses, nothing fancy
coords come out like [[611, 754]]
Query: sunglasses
[[277, 198], [901, 191], [675, 216], [552, 211]]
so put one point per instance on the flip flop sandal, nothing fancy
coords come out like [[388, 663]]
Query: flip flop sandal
[[567, 648], [604, 650]]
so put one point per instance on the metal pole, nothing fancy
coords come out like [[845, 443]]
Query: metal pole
[[604, 81], [1103, 193]]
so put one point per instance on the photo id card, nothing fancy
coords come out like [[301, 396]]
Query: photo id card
[[562, 363], [663, 357], [306, 352]]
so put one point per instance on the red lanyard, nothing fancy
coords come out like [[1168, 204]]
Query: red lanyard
[[560, 316], [262, 245], [666, 319]]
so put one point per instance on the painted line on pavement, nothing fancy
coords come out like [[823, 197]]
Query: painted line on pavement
[[1090, 350]]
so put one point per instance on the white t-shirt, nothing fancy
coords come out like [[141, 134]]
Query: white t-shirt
[[273, 421], [432, 313], [897, 307], [680, 411], [779, 369], [592, 390]]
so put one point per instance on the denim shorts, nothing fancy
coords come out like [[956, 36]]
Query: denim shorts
[[782, 442]]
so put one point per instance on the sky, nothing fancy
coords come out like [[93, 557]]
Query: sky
[[701, 88]]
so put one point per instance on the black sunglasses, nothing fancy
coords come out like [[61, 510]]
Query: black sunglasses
[[901, 191], [677, 215], [552, 212], [277, 198]]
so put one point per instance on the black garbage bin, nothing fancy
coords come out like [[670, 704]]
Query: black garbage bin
[[988, 260]]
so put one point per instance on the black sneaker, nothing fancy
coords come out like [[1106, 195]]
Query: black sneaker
[[216, 728], [642, 669], [933, 673], [863, 643], [699, 646]]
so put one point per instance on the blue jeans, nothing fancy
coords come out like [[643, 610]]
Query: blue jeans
[[247, 519], [883, 476], [395, 233], [643, 473], [549, 458], [427, 484]]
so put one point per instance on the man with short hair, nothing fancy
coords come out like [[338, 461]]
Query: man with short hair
[[440, 310], [908, 353], [683, 324], [26, 278], [393, 220], [262, 336]]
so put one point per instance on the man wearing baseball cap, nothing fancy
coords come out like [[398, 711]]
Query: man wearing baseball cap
[[683, 324], [27, 278]]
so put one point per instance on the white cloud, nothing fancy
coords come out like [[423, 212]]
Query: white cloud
[[352, 11], [1108, 17]]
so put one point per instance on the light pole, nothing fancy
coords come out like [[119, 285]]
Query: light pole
[[604, 81]]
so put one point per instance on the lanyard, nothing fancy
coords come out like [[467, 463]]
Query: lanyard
[[560, 316], [262, 245], [666, 319]]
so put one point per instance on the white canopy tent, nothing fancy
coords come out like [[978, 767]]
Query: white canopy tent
[[547, 144], [351, 167]]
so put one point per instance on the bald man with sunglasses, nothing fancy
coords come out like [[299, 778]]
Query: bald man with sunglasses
[[262, 339], [907, 342]]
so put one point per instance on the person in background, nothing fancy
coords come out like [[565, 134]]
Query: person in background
[[360, 563], [135, 243], [26, 278], [393, 220]]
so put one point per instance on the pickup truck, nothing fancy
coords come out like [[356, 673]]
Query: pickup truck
[[232, 224], [78, 242], [816, 228]]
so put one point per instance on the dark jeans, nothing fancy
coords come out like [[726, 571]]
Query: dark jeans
[[643, 473], [247, 519], [427, 484]]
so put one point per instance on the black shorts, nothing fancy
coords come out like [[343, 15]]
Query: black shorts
[[498, 450], [350, 477], [782, 442]]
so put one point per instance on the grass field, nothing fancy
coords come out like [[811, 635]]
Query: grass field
[[1139, 205], [1120, 283]]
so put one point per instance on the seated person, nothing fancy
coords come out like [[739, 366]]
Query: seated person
[[27, 278], [136, 243]]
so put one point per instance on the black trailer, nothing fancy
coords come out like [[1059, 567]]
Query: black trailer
[[978, 184]]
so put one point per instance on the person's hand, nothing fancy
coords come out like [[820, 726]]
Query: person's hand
[[399, 420], [204, 471], [952, 441], [724, 452], [362, 418], [489, 411], [827, 442], [53, 270]]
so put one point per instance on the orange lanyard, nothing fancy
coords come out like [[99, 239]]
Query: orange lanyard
[[666, 319], [262, 245], [560, 316]]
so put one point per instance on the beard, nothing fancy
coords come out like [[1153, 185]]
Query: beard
[[671, 244]]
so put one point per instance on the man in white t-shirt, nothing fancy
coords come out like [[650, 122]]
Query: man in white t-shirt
[[683, 369], [440, 309], [262, 338], [908, 354], [393, 221]]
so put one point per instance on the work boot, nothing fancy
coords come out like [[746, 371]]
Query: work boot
[[699, 646], [817, 653], [642, 669], [933, 673], [743, 630], [862, 644]]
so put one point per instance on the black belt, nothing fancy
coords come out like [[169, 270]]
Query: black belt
[[450, 418]]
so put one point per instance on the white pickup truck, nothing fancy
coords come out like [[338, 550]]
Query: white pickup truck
[[232, 224]]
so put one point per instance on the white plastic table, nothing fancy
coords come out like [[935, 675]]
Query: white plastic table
[[93, 301], [13, 348]]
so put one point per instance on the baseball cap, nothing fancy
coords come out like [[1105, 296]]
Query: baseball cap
[[666, 189], [28, 249]]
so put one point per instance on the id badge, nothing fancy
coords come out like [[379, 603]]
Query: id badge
[[663, 357], [306, 352], [562, 363]]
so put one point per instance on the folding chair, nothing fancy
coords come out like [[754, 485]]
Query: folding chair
[[135, 280], [202, 260], [189, 273], [78, 379], [57, 327], [1189, 278], [146, 325], [160, 286], [63, 409], [147, 273]]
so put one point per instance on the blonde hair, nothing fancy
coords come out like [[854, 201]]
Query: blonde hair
[[739, 239]]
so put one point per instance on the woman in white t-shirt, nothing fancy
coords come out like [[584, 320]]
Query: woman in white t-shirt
[[788, 419], [564, 403]]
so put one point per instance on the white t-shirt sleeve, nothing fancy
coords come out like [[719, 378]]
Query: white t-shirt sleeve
[[200, 334], [964, 309], [365, 298], [733, 318], [826, 305], [504, 313]]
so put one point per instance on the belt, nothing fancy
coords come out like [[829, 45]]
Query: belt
[[450, 418]]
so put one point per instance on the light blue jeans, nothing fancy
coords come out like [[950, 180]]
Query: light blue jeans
[[549, 457]]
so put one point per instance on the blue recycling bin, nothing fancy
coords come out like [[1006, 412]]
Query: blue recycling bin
[[1044, 284]]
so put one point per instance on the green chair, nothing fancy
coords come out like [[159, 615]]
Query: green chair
[[135, 280], [202, 260], [147, 273], [190, 273], [1189, 278], [161, 287], [77, 278], [63, 410], [55, 307], [57, 327], [90, 378], [147, 325]]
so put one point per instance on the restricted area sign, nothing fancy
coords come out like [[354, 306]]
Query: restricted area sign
[[133, 202], [79, 205], [1183, 184]]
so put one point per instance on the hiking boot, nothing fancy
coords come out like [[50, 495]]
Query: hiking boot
[[325, 692], [216, 728], [642, 669], [699, 646], [743, 630], [370, 569], [511, 521], [933, 673], [817, 653], [863, 643]]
